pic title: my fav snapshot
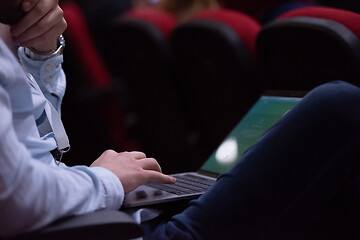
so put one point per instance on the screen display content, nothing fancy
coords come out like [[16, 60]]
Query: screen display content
[[266, 111]]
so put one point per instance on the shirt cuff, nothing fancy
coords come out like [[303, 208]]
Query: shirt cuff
[[113, 188], [48, 73]]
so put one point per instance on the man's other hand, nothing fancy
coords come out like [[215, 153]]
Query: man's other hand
[[132, 168], [41, 26]]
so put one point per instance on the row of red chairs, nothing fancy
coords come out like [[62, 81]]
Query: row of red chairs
[[296, 37]]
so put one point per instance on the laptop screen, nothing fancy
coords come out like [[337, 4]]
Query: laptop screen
[[263, 114]]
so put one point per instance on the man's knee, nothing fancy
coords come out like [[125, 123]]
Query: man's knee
[[334, 105], [336, 93]]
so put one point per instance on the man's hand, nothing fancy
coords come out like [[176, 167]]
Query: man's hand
[[40, 28], [132, 168]]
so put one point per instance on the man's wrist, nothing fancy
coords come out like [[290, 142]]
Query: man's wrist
[[45, 48], [42, 56]]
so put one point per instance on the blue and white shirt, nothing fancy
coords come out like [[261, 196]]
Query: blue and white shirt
[[34, 191]]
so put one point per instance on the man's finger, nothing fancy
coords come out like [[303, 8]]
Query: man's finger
[[43, 39], [41, 27], [150, 164], [157, 177], [138, 155], [27, 5], [39, 11]]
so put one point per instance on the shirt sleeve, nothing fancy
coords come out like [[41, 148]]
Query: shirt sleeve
[[33, 194], [49, 76]]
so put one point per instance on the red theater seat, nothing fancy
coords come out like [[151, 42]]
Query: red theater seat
[[349, 19], [140, 44], [214, 62], [81, 40], [310, 46], [92, 111], [164, 22], [141, 48], [245, 27]]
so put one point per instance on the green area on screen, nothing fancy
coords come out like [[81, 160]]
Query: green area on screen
[[266, 111]]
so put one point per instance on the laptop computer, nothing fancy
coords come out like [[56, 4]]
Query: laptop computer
[[269, 108]]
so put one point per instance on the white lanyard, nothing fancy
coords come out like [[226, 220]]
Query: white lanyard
[[54, 118]]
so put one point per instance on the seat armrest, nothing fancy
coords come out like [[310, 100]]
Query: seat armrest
[[95, 225]]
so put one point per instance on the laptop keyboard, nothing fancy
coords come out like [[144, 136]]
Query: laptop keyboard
[[185, 184]]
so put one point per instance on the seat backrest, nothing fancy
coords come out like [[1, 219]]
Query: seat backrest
[[85, 49], [92, 101], [140, 41], [309, 46], [214, 61]]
